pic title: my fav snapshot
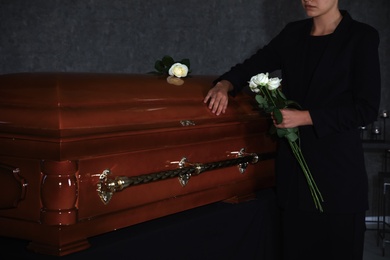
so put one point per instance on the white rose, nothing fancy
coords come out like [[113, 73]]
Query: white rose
[[254, 89], [274, 83], [260, 79], [253, 86], [178, 70]]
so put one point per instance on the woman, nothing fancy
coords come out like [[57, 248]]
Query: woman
[[330, 65]]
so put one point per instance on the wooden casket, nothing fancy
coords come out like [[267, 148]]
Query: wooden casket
[[82, 154]]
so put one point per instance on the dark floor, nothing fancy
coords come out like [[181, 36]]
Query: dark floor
[[373, 247], [204, 228], [196, 234], [372, 251]]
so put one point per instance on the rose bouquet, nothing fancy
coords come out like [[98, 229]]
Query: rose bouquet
[[271, 99]]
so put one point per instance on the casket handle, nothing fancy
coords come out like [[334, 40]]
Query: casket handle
[[107, 187], [15, 187]]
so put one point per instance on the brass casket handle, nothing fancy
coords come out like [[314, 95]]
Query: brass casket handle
[[107, 187]]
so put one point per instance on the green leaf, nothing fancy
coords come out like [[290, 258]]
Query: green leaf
[[159, 66], [281, 132], [154, 72], [293, 104], [280, 103], [281, 94], [262, 101], [186, 62], [277, 115], [292, 136], [167, 61]]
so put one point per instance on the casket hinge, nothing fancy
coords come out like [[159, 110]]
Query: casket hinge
[[185, 177], [187, 122], [242, 166]]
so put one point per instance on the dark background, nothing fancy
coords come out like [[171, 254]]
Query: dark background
[[128, 36]]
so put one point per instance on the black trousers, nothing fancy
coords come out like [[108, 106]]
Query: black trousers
[[322, 236]]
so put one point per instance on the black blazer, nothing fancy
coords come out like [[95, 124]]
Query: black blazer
[[343, 94]]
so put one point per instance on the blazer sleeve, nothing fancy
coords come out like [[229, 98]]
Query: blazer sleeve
[[266, 59]]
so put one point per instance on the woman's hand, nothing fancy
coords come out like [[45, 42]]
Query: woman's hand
[[293, 118], [218, 97]]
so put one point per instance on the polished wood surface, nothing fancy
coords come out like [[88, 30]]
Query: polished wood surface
[[60, 131]]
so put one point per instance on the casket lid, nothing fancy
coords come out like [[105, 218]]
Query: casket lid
[[61, 110], [66, 104]]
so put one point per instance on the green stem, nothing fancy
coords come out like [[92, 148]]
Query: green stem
[[268, 94], [299, 152], [316, 194]]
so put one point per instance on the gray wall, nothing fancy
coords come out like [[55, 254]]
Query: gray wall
[[128, 36]]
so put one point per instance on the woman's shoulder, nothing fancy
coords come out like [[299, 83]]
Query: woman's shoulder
[[356, 32], [364, 28], [358, 26]]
